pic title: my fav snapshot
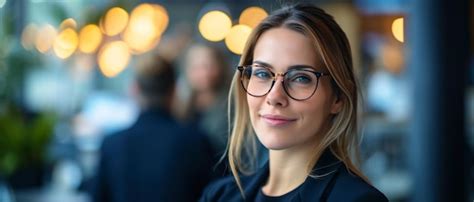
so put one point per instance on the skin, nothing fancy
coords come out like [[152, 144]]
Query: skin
[[290, 129], [202, 73], [202, 69]]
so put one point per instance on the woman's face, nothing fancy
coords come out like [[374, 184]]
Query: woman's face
[[202, 69], [279, 121]]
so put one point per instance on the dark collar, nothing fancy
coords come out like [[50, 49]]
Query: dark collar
[[152, 114], [313, 187]]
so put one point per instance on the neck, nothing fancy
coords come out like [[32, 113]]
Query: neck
[[288, 169]]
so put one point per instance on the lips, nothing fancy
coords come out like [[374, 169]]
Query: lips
[[276, 120]]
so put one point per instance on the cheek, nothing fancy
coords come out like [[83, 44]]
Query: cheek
[[214, 74], [254, 106], [314, 117], [317, 113]]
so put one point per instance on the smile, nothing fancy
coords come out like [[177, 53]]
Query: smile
[[276, 120]]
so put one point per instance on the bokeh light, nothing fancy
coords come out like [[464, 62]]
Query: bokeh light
[[252, 16], [237, 38], [2, 3], [147, 23], [68, 23], [90, 38], [114, 21], [215, 25], [162, 18], [113, 58], [45, 38], [397, 29], [28, 36], [65, 43]]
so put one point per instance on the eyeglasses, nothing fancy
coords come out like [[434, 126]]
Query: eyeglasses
[[299, 83]]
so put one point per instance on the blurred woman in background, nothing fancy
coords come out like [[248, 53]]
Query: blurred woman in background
[[207, 78]]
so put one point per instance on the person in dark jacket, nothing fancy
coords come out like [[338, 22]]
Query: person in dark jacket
[[156, 159], [295, 91]]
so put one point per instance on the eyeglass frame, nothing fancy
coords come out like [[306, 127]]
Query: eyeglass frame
[[274, 77]]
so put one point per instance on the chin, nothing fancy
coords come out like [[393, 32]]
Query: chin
[[273, 142], [276, 147]]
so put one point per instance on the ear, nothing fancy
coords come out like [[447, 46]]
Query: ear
[[336, 105]]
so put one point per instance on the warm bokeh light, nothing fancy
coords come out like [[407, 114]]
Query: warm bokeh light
[[28, 36], [113, 58], [162, 18], [68, 23], [65, 43], [45, 38], [215, 25], [90, 38], [114, 21], [147, 23], [397, 29], [140, 43], [252, 16], [237, 38]]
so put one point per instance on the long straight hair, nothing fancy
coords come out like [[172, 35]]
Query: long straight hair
[[341, 136]]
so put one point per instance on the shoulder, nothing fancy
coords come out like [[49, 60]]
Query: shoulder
[[350, 187], [113, 140], [224, 189]]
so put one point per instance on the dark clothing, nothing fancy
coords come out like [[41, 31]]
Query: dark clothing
[[213, 121], [156, 159], [261, 197], [330, 180]]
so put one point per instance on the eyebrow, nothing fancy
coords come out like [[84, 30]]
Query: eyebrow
[[298, 67]]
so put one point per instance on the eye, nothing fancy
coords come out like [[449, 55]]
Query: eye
[[300, 78], [262, 73]]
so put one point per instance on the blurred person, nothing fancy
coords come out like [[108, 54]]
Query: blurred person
[[207, 78], [156, 159], [295, 90]]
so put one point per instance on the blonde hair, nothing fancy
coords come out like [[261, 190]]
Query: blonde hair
[[342, 136]]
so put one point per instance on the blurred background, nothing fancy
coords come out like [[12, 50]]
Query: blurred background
[[66, 67]]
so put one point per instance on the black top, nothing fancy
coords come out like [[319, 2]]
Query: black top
[[157, 159], [330, 181], [261, 197]]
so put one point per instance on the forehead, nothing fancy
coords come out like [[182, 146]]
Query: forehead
[[200, 55], [199, 51], [283, 47]]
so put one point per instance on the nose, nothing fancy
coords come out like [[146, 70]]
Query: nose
[[277, 95]]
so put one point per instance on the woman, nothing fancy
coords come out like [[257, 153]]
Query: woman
[[207, 78], [296, 85]]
